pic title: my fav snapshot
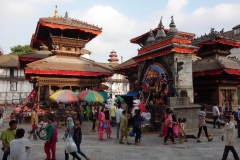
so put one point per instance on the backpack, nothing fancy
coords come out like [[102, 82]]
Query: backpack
[[55, 134]]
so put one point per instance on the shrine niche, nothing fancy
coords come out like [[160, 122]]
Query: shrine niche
[[155, 87]]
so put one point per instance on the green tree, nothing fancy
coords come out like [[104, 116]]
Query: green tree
[[19, 49]]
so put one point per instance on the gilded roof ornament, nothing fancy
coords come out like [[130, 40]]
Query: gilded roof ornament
[[56, 14]]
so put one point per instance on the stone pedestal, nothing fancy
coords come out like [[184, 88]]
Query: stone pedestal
[[183, 109]]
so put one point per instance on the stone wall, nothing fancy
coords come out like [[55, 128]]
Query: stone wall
[[190, 113], [185, 74]]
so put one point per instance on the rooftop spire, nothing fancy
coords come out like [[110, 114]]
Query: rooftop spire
[[66, 15], [172, 30], [161, 33], [151, 38], [113, 57], [56, 14]]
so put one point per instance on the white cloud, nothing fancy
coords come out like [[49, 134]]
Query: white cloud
[[118, 29]]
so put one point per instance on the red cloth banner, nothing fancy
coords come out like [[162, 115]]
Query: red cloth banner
[[31, 95]]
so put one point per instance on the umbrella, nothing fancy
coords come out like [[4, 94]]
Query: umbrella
[[91, 96], [64, 96]]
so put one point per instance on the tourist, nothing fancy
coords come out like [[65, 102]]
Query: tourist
[[78, 138], [124, 106], [70, 132], [216, 116], [7, 136], [20, 147], [118, 116], [17, 112], [88, 111], [229, 137], [34, 118], [138, 119], [180, 130], [124, 128], [238, 121], [113, 114], [109, 128], [101, 119], [202, 124], [51, 139], [81, 112], [94, 117], [169, 123]]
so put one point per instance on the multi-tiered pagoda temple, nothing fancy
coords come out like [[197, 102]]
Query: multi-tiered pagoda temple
[[62, 67], [216, 76]]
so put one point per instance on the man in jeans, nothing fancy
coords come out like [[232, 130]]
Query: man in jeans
[[113, 114], [118, 116], [202, 124], [7, 136], [238, 121], [216, 115]]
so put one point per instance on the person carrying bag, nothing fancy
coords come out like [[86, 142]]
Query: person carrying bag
[[70, 146]]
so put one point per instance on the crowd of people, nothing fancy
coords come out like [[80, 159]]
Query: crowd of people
[[106, 116]]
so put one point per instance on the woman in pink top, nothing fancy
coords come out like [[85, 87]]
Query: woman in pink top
[[170, 128]]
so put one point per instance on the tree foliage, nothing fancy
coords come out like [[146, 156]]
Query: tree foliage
[[19, 49]]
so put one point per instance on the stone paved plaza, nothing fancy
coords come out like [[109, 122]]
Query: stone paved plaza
[[151, 148]]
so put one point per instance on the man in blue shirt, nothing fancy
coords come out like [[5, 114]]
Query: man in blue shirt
[[238, 121]]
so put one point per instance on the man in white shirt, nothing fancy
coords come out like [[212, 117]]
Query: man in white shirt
[[216, 115], [136, 102], [20, 147], [118, 116]]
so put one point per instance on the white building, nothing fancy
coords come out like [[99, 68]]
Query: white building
[[117, 84], [13, 87]]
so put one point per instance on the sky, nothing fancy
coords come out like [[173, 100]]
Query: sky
[[120, 20]]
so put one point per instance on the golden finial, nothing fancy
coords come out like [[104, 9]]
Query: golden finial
[[56, 14]]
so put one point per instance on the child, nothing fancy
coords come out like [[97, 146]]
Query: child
[[108, 129], [184, 120], [12, 116], [180, 130], [78, 137]]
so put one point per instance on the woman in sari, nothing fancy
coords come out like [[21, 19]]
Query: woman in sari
[[101, 119], [34, 118]]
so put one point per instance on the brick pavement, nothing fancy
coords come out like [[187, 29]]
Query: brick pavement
[[151, 148]]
